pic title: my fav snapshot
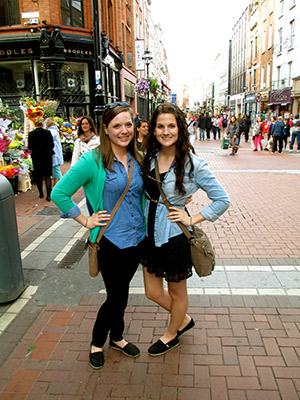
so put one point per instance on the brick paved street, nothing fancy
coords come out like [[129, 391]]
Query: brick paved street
[[244, 347]]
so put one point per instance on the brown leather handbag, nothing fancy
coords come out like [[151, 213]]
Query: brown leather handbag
[[94, 248], [202, 252]]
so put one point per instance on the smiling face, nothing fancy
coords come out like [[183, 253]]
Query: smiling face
[[120, 131], [143, 129], [85, 126], [166, 130]]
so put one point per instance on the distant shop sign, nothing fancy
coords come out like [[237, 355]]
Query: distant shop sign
[[251, 98], [282, 97]]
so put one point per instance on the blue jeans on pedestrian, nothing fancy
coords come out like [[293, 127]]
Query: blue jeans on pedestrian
[[295, 135], [215, 131], [202, 134]]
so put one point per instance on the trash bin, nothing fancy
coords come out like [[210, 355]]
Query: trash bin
[[11, 270]]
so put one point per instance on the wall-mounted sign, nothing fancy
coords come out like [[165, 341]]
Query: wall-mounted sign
[[139, 51], [33, 14], [71, 82]]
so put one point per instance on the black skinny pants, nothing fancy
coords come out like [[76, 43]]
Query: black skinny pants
[[117, 267]]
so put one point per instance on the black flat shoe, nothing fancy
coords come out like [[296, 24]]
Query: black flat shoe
[[188, 327], [159, 347], [129, 350], [48, 198], [97, 359]]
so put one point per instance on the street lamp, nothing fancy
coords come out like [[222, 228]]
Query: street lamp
[[147, 58]]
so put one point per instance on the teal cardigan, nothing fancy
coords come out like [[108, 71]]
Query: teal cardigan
[[89, 174]]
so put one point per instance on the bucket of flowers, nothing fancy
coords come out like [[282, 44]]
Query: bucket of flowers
[[11, 173], [33, 108]]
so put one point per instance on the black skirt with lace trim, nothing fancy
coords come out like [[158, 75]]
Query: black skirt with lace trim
[[172, 261]]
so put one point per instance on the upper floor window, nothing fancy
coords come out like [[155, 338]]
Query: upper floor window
[[292, 33], [281, 7], [280, 40], [9, 13], [72, 13]]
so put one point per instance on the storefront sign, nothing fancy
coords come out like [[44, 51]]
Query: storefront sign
[[280, 96], [251, 98], [139, 51], [129, 89], [78, 52], [15, 52]]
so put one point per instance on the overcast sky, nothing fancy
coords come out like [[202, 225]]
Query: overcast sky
[[194, 31]]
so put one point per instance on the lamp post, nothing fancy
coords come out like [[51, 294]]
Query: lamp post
[[147, 58], [99, 96]]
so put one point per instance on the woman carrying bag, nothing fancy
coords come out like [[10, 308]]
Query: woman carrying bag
[[167, 254], [103, 172]]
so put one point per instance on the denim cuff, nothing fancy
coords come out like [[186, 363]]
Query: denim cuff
[[73, 213]]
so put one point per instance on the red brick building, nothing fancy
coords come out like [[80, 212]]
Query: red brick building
[[47, 49]]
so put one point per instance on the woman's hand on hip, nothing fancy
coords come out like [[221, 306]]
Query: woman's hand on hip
[[98, 219], [179, 215]]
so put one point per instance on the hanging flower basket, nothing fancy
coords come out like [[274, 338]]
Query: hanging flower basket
[[142, 86]]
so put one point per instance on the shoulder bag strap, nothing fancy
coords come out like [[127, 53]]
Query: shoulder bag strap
[[117, 205], [167, 203]]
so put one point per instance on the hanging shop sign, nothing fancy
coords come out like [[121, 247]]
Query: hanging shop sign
[[282, 97], [258, 97], [139, 51]]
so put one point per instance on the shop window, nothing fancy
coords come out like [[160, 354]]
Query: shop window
[[75, 80], [72, 13], [9, 13], [16, 79]]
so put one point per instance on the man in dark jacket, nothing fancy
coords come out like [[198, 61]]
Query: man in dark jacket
[[277, 133], [202, 125], [208, 126]]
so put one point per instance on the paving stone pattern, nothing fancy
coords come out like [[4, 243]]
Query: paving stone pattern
[[233, 353]]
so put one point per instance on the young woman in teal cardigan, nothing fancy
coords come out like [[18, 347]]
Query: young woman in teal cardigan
[[103, 172]]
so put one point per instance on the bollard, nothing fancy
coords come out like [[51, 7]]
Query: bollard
[[11, 270]]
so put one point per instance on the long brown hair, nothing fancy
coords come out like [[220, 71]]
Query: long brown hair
[[92, 125], [183, 146], [105, 149]]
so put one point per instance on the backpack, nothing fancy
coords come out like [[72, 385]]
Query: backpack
[[224, 122]]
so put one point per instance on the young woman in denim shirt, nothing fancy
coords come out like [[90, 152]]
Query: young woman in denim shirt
[[103, 172], [167, 254]]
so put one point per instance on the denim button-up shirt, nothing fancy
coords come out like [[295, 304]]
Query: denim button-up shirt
[[201, 178], [127, 228]]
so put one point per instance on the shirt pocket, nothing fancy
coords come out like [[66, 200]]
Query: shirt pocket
[[112, 183]]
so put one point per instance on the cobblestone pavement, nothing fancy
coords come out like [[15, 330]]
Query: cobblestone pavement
[[246, 343]]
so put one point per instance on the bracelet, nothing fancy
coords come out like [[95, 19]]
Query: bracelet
[[191, 221], [86, 222]]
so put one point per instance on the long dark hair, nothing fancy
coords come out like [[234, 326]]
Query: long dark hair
[[183, 146], [105, 149], [92, 125]]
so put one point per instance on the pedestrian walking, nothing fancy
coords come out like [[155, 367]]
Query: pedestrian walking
[[223, 124], [57, 158], [104, 174], [295, 133], [215, 126], [41, 144], [233, 133], [258, 133], [167, 254], [277, 135], [208, 125], [191, 124], [141, 131], [266, 134], [286, 132], [202, 126], [247, 124]]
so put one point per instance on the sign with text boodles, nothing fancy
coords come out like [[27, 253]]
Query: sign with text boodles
[[139, 51]]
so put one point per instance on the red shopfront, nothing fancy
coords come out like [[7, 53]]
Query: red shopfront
[[280, 101]]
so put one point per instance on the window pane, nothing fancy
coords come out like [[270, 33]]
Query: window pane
[[77, 13], [65, 12], [14, 12]]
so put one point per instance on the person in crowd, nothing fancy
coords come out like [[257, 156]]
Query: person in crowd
[[232, 132], [223, 124], [167, 255], [219, 129], [40, 143], [295, 133], [291, 120], [57, 158], [258, 133], [191, 124], [286, 132], [87, 138], [141, 131], [104, 174], [247, 124], [241, 128], [137, 117], [208, 125], [215, 126], [266, 133], [202, 125], [277, 135]]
